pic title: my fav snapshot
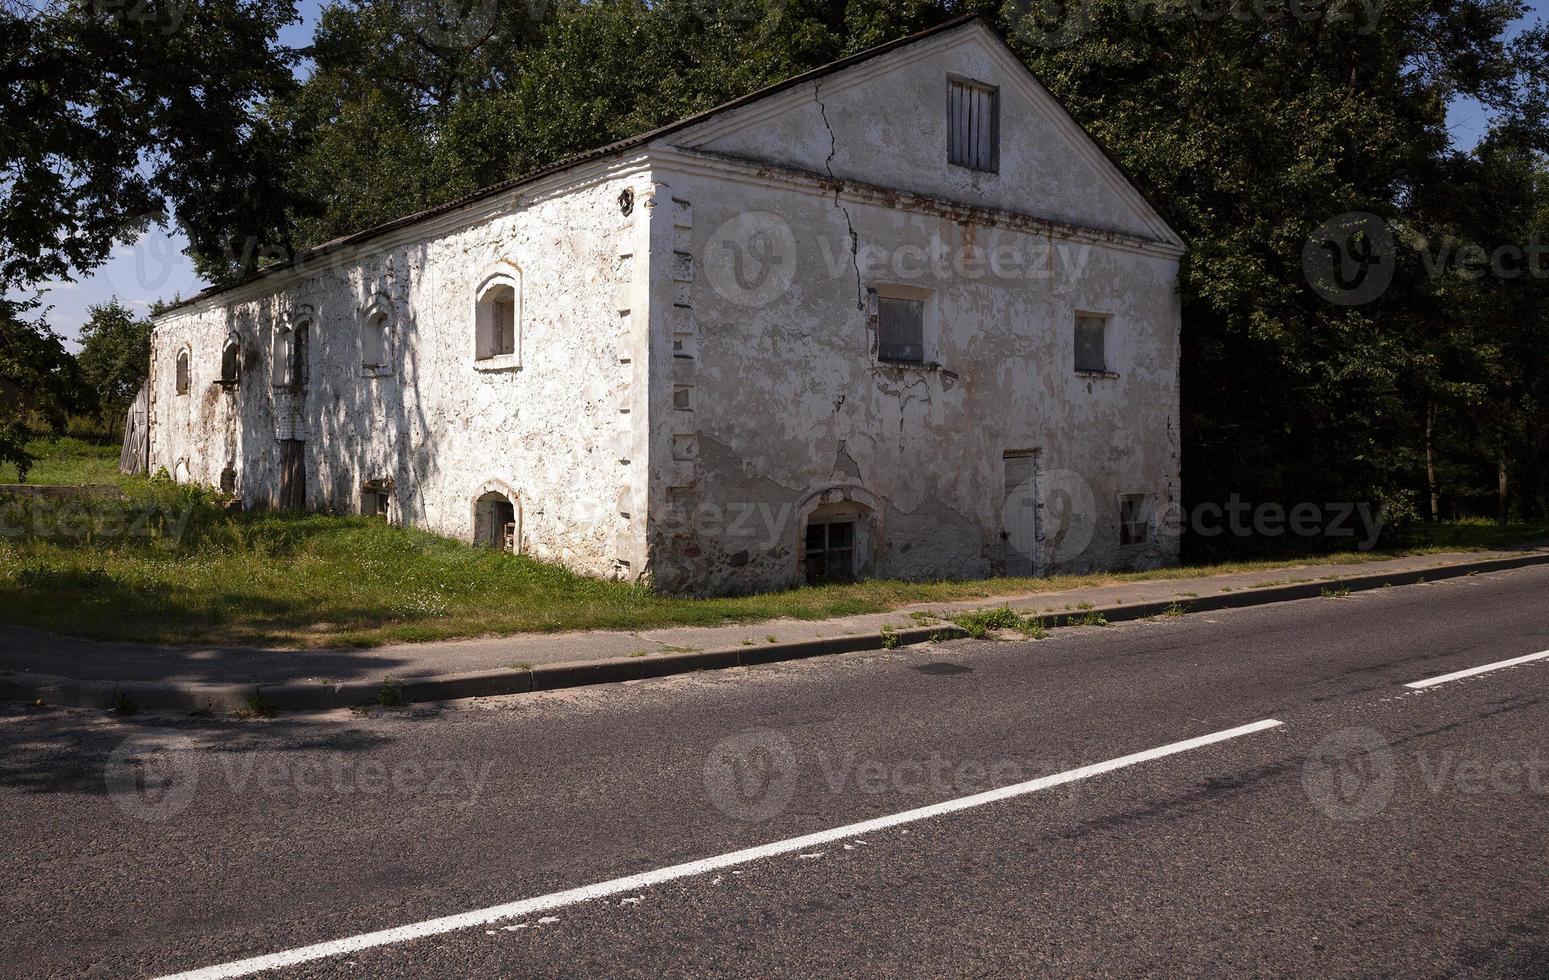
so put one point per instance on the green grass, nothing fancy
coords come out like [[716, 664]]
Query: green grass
[[69, 462], [317, 580]]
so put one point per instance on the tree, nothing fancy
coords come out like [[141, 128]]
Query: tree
[[38, 380], [115, 357], [118, 116]]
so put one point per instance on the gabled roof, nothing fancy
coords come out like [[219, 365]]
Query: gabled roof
[[621, 146]]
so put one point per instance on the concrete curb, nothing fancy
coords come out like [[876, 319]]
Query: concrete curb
[[224, 698]]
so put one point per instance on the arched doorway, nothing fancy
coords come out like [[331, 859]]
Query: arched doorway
[[495, 523], [839, 535]]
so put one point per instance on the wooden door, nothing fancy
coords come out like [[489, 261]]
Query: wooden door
[[293, 474], [1019, 513]]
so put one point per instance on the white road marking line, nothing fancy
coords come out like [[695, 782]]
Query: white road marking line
[[646, 879], [1470, 672]]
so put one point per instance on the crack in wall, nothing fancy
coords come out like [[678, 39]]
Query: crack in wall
[[828, 166]]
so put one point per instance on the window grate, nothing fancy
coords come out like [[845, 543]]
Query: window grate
[[900, 330]]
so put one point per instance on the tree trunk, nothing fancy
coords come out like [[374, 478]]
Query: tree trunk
[[1500, 483], [1434, 512]]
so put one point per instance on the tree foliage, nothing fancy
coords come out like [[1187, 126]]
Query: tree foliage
[[115, 356], [1250, 124]]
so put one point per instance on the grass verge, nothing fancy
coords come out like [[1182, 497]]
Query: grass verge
[[171, 565]]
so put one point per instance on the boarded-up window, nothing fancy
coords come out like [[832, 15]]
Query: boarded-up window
[[973, 125], [1091, 341], [900, 330], [1134, 519]]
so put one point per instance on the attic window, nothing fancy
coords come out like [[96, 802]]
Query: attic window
[[973, 125]]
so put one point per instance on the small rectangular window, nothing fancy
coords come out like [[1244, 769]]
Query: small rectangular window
[[374, 502], [900, 330], [1134, 519], [1091, 343], [973, 125]]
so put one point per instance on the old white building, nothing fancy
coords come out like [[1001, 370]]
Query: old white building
[[899, 316]]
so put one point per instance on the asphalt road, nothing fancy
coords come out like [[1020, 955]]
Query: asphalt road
[[1378, 830]]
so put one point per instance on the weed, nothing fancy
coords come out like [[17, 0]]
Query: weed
[[980, 622], [889, 638], [771, 638], [255, 705], [1338, 593], [639, 653], [669, 648], [1084, 605], [124, 706], [1087, 619], [391, 694], [1175, 610], [747, 641], [524, 665], [1188, 595], [924, 618]]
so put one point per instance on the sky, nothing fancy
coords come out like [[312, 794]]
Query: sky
[[156, 268]]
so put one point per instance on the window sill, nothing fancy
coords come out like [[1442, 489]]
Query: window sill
[[503, 362], [372, 371], [1110, 375], [909, 365]]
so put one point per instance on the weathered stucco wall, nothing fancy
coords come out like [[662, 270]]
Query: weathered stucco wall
[[554, 433], [784, 406]]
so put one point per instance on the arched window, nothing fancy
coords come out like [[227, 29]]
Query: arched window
[[182, 372], [282, 357], [376, 336], [496, 320], [231, 360]]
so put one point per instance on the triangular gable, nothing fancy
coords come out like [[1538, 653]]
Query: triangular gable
[[883, 120]]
